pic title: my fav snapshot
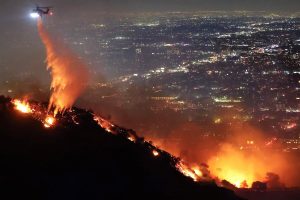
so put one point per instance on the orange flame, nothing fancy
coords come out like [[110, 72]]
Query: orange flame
[[246, 155], [105, 124], [197, 171], [49, 121], [69, 73], [238, 167], [22, 106], [193, 173]]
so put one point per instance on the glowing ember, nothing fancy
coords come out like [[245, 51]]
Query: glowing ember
[[22, 106], [155, 153], [49, 121], [131, 138]]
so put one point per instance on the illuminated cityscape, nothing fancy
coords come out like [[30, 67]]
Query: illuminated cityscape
[[195, 64]]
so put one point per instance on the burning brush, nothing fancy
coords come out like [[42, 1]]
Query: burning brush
[[40, 113], [198, 173], [37, 111], [22, 106]]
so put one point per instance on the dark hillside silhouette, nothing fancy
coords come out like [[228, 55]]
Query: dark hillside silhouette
[[83, 161]]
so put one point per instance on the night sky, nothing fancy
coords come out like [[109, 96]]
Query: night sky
[[22, 50], [153, 5]]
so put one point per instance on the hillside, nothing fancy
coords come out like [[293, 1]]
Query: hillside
[[83, 161]]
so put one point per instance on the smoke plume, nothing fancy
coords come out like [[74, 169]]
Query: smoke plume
[[273, 181], [69, 73]]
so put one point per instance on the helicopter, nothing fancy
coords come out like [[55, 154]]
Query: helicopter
[[41, 11]]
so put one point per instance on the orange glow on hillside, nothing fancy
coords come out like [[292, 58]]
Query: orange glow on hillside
[[105, 124], [238, 167], [193, 173], [242, 160], [233, 166], [244, 157]]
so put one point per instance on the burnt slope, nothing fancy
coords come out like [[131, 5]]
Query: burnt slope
[[83, 161]]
